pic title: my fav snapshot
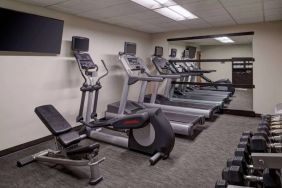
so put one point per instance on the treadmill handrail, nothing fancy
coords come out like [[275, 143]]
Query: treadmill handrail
[[172, 76], [148, 78]]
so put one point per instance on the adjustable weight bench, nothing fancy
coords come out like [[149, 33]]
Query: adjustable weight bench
[[68, 151]]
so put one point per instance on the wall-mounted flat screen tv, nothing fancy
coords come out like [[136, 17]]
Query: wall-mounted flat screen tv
[[23, 32]]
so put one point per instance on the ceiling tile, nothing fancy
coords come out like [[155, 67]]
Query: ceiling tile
[[212, 12], [273, 14], [272, 4], [202, 5], [159, 19], [195, 23], [123, 20], [249, 19], [171, 25], [87, 5], [246, 13], [149, 14], [42, 2], [113, 11], [248, 8], [239, 2], [220, 20], [186, 1], [149, 29]]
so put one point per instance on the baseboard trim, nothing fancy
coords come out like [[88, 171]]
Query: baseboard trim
[[25, 145], [29, 144], [240, 112]]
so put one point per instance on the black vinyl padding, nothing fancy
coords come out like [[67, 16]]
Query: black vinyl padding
[[69, 138], [52, 119]]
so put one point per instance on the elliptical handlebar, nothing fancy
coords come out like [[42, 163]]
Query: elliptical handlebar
[[107, 71]]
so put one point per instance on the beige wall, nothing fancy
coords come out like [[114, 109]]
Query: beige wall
[[180, 48], [28, 81], [223, 70], [267, 51]]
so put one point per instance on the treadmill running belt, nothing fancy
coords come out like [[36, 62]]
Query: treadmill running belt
[[163, 100], [183, 118]]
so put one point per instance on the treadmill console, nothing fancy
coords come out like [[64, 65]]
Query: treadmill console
[[134, 63], [160, 62], [85, 61]]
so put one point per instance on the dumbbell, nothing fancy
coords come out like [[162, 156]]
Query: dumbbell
[[235, 175], [269, 137], [270, 118], [240, 161], [272, 122], [246, 136], [274, 125], [259, 144], [247, 133], [243, 152], [270, 131]]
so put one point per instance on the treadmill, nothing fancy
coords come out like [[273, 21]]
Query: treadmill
[[181, 121], [161, 101], [185, 67], [182, 92], [224, 89]]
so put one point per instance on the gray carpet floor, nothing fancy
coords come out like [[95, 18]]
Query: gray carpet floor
[[242, 100], [194, 163]]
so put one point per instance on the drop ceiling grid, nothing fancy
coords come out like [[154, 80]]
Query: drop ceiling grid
[[211, 13]]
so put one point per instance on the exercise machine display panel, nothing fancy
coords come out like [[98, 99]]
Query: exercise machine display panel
[[158, 51], [130, 48], [173, 52], [80, 44]]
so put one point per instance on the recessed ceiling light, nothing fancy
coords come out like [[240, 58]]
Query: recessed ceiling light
[[170, 14], [150, 4], [167, 8], [182, 11], [224, 39]]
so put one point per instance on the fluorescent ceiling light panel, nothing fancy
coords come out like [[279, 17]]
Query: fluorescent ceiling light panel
[[224, 39], [166, 2], [170, 14], [182, 11], [150, 4]]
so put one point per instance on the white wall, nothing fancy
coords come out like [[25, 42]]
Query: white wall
[[29, 80], [180, 48], [267, 51], [223, 70]]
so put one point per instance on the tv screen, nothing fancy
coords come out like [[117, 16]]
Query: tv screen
[[185, 54], [80, 44], [130, 48], [23, 32], [191, 54], [158, 51], [173, 52]]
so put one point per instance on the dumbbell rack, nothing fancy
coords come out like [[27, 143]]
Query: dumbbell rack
[[258, 158], [267, 160]]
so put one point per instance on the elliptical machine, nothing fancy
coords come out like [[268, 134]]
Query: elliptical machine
[[149, 132]]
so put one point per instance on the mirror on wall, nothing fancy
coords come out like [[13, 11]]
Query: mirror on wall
[[223, 59]]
